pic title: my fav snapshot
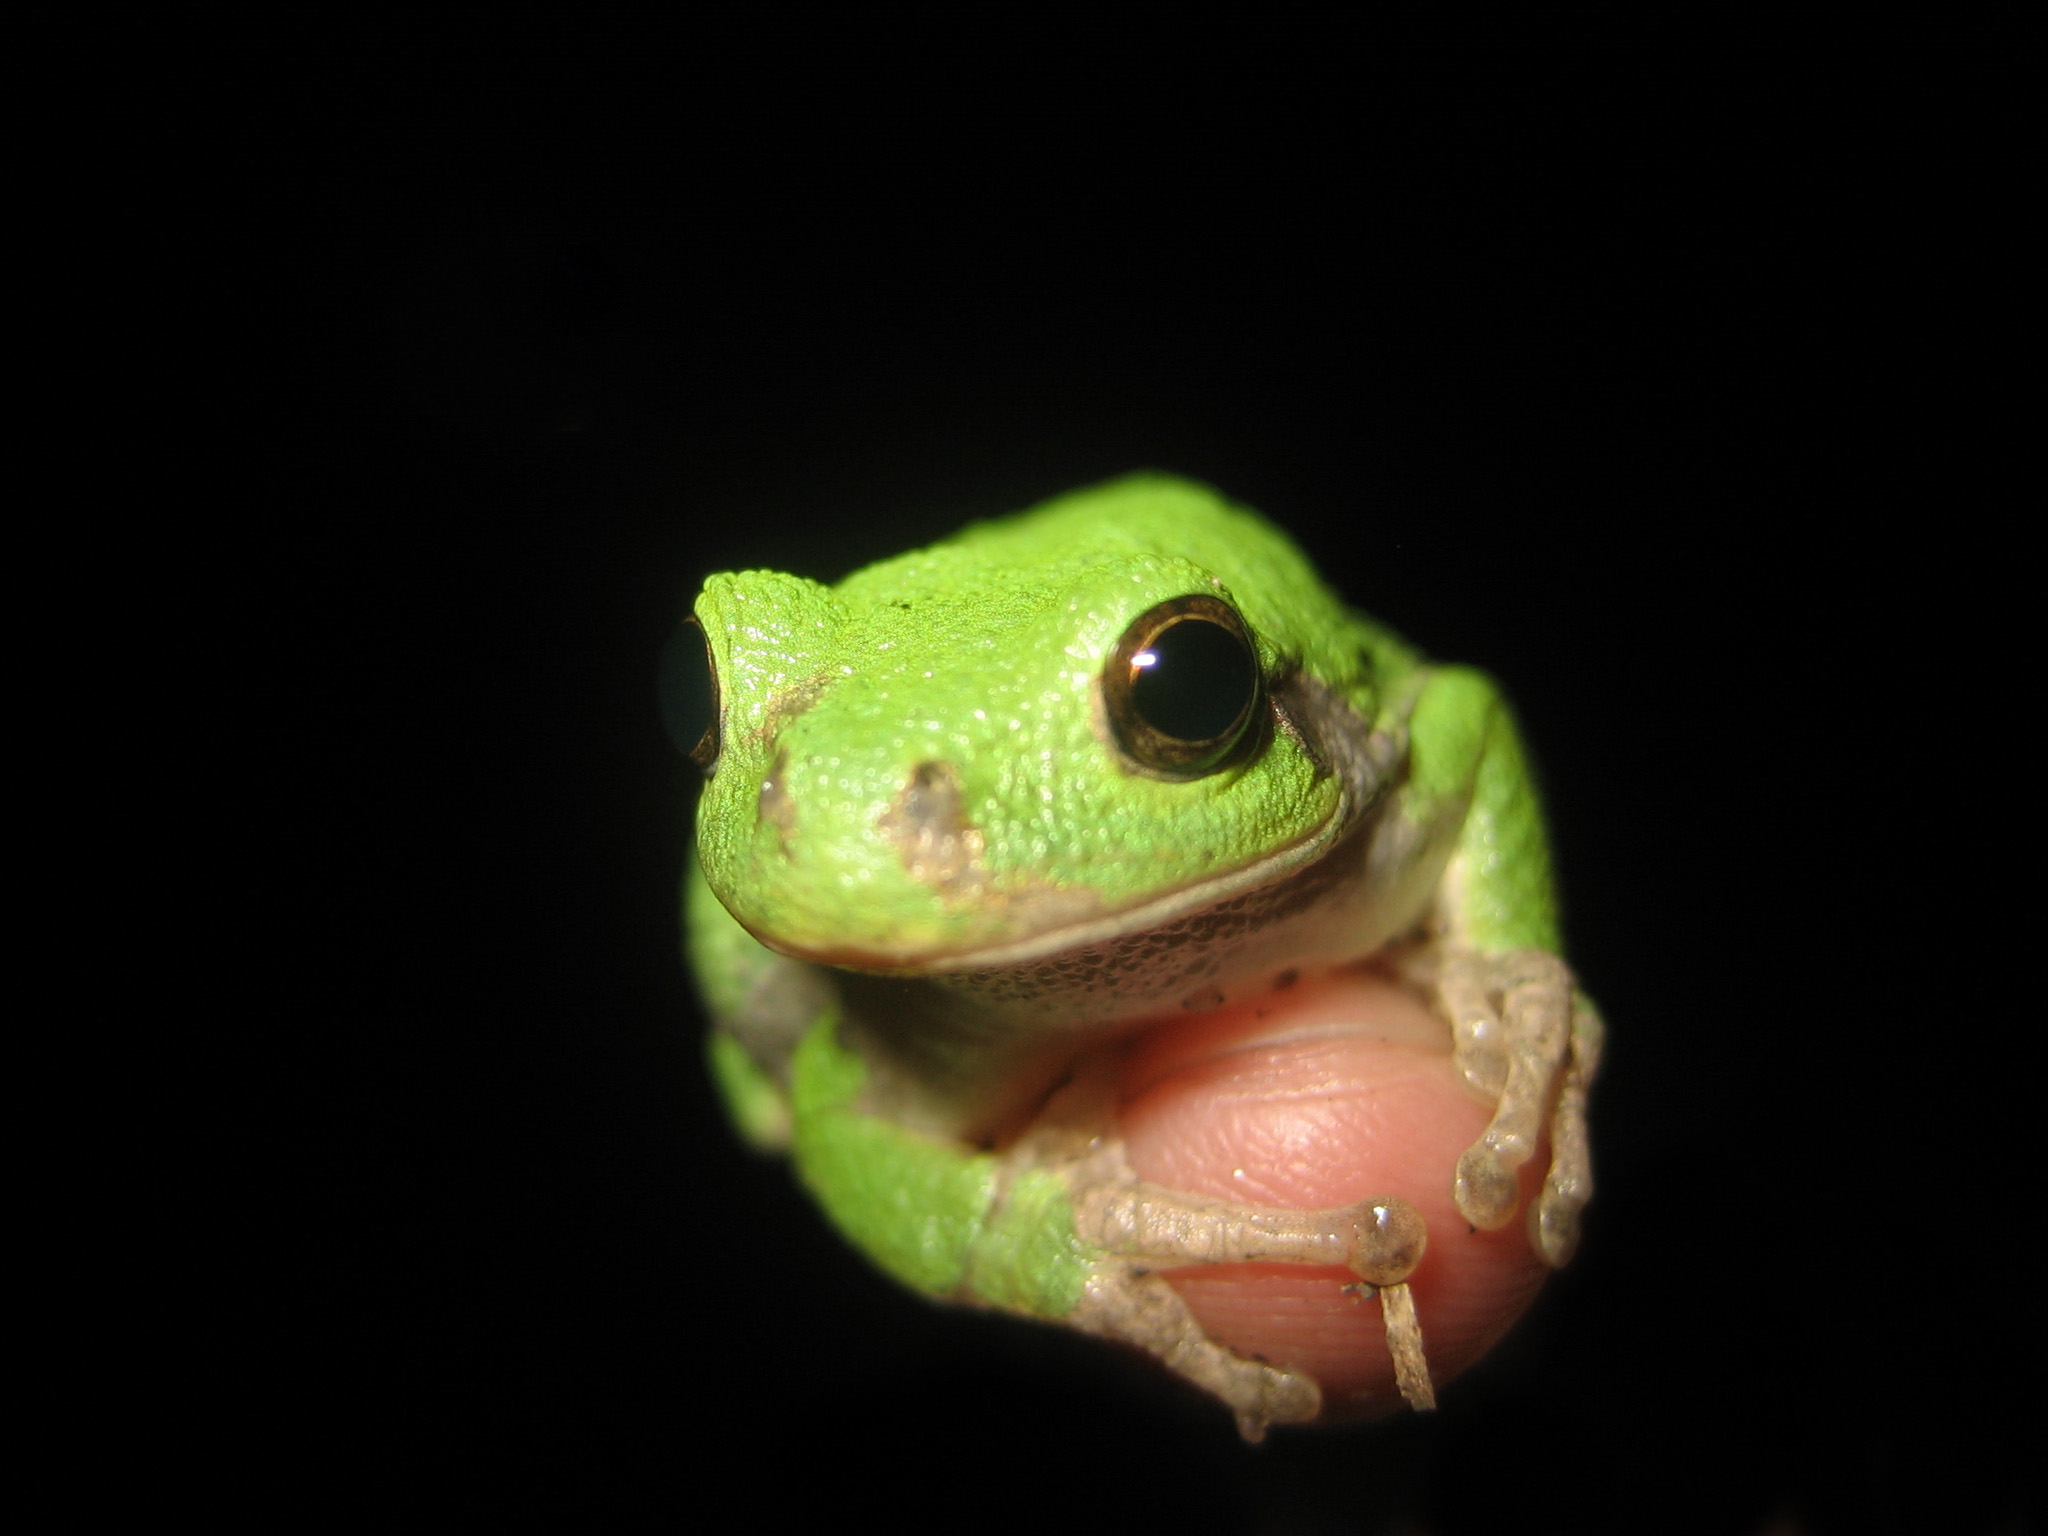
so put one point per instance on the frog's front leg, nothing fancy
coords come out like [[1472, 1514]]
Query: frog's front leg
[[1140, 1228], [1523, 1035], [1526, 1038]]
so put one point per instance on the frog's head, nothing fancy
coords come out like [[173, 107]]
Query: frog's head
[[1045, 731]]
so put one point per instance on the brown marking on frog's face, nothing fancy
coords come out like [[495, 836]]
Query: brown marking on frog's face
[[928, 826]]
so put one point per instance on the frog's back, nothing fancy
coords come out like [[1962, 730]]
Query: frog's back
[[1146, 513]]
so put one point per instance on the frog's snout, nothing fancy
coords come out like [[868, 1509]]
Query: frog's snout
[[927, 825]]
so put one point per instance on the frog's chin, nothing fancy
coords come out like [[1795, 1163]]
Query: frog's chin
[[1059, 931]]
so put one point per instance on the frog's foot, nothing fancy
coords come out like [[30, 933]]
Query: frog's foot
[[1125, 1301], [1142, 1228], [1381, 1241], [1525, 1037]]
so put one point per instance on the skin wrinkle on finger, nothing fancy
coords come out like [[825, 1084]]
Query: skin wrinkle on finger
[[1344, 1092], [1274, 1113]]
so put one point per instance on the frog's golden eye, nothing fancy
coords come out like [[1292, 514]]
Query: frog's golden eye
[[1182, 687], [689, 695]]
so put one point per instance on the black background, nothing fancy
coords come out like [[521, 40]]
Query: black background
[[1665, 377]]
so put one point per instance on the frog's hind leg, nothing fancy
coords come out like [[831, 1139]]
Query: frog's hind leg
[[1143, 1225], [1140, 1228], [1524, 1037]]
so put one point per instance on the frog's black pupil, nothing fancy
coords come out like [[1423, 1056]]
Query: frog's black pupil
[[1201, 677], [688, 695]]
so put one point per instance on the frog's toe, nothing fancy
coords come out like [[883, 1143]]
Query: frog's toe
[[1554, 1227], [1277, 1397], [1388, 1240], [1554, 1224], [1404, 1344], [1467, 997], [1486, 1190]]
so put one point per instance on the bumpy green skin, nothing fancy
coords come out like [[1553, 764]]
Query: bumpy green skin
[[1460, 734], [984, 653], [925, 1210]]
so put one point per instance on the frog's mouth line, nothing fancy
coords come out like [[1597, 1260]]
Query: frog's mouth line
[[1099, 929], [1155, 913]]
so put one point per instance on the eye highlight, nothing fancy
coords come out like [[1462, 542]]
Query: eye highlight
[[1182, 687]]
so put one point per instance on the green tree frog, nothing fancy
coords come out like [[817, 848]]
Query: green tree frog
[[978, 816]]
